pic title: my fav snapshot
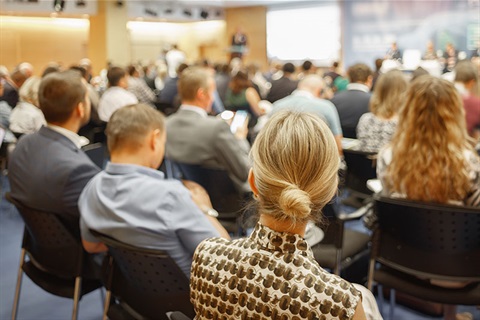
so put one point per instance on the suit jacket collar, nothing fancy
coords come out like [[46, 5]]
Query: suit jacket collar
[[53, 135]]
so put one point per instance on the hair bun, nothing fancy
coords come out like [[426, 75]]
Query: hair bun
[[295, 202]]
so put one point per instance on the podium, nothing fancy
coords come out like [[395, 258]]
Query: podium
[[237, 51]]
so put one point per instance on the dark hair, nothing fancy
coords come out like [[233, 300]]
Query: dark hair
[[49, 70], [359, 73], [131, 69], [81, 70], [288, 68], [59, 94], [418, 72], [307, 65], [239, 82], [378, 63], [114, 75]]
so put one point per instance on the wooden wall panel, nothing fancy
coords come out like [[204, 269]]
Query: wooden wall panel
[[41, 42], [253, 21]]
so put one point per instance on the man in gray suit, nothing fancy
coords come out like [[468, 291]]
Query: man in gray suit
[[48, 170], [193, 137]]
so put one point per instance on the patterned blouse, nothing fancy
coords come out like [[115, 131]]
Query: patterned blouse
[[373, 132], [269, 275]]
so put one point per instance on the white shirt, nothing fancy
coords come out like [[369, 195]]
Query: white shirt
[[174, 58], [112, 100], [358, 86], [70, 135], [196, 109], [26, 118]]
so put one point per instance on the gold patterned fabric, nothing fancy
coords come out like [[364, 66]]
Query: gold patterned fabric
[[269, 275]]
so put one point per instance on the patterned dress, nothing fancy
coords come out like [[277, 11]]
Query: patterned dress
[[269, 275], [373, 132]]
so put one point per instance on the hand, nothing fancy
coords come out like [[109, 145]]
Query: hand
[[242, 131], [199, 194]]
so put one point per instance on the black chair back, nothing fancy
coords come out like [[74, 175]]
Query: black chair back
[[53, 242], [361, 167], [148, 281], [57, 261], [218, 184], [431, 240], [96, 152]]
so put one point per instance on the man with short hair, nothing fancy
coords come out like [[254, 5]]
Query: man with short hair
[[307, 98], [354, 102], [466, 78], [116, 96], [285, 85], [12, 86], [196, 138], [47, 169], [132, 202]]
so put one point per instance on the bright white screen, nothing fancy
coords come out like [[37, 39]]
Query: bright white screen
[[304, 34]]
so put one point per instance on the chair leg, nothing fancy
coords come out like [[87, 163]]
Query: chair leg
[[371, 269], [392, 304], [19, 285], [76, 297], [338, 262], [108, 296]]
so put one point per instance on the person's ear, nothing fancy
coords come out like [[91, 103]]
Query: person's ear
[[155, 139], [80, 109], [251, 182]]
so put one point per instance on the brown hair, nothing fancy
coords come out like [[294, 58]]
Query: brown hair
[[429, 143], [359, 73], [192, 79], [59, 94], [389, 94]]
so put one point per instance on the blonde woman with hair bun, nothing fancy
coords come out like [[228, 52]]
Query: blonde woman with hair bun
[[272, 273]]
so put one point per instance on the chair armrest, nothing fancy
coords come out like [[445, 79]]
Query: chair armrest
[[356, 214]]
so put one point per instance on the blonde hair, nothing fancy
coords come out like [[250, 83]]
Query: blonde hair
[[389, 94], [295, 163], [428, 162], [29, 90], [192, 79], [129, 125]]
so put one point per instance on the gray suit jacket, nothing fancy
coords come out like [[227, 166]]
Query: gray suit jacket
[[194, 139], [48, 172]]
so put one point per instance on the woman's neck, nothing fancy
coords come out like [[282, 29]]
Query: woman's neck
[[283, 226]]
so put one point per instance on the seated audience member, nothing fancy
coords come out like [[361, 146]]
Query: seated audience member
[[430, 157], [131, 200], [242, 96], [48, 170], [306, 68], [5, 112], [259, 82], [10, 89], [466, 78], [26, 117], [116, 96], [169, 94], [307, 99], [273, 271], [139, 87], [353, 103], [196, 138], [376, 74], [376, 128], [284, 86], [418, 72], [331, 74], [222, 79]]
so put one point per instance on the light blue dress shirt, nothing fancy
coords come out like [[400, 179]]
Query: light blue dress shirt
[[305, 102], [138, 206]]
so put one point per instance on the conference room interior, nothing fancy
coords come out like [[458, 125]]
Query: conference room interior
[[331, 34]]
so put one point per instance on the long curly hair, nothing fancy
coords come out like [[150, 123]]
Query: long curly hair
[[428, 162]]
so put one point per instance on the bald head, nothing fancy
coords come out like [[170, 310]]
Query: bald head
[[312, 83]]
